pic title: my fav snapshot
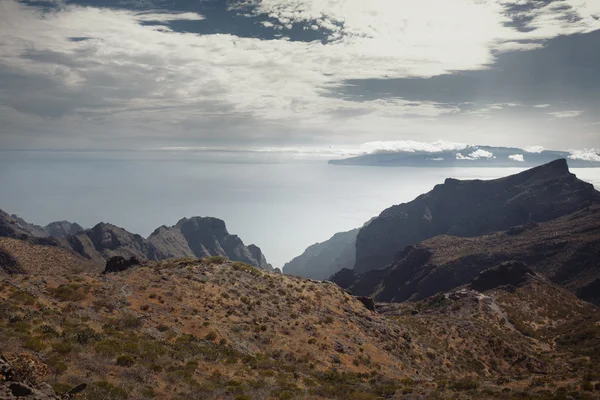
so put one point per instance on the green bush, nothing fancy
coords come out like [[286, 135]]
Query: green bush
[[215, 260], [34, 344], [103, 390], [70, 292], [125, 360]]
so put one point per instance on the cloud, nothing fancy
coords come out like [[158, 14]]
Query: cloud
[[476, 155], [566, 114], [586, 155], [542, 105], [128, 82], [166, 17], [534, 149], [517, 157], [411, 146]]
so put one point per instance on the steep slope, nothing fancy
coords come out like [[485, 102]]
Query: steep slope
[[204, 237], [24, 257], [472, 208], [209, 329], [518, 320], [321, 260], [566, 250]]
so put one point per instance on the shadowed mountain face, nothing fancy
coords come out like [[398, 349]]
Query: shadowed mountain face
[[321, 260], [193, 237], [565, 250], [472, 208]]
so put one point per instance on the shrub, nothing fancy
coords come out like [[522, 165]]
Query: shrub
[[62, 347], [125, 360], [70, 292], [215, 260], [34, 344], [587, 386], [211, 336], [464, 384], [103, 390]]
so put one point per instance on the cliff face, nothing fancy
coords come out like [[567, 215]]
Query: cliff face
[[204, 237], [473, 208], [104, 241], [565, 250], [321, 260]]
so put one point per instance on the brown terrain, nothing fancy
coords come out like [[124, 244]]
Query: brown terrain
[[209, 328]]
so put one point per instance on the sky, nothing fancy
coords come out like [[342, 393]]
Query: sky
[[288, 75]]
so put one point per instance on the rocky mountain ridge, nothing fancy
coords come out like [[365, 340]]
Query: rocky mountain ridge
[[190, 237], [473, 208], [565, 250]]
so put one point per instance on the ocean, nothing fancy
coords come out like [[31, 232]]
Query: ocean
[[281, 205]]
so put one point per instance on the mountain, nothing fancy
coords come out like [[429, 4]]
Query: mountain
[[473, 207], [62, 229], [215, 329], [470, 156], [321, 260], [565, 250], [15, 226], [104, 241], [204, 237], [190, 237]]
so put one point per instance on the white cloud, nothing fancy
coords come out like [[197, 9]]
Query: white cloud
[[146, 82], [586, 155], [534, 149], [517, 157], [476, 155], [566, 114], [165, 17], [411, 146], [542, 105]]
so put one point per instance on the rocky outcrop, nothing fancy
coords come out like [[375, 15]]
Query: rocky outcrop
[[104, 241], [119, 264], [62, 229], [204, 237], [512, 273], [321, 260], [473, 208], [565, 250]]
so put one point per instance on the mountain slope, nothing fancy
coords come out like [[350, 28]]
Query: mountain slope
[[566, 250], [207, 329], [321, 260], [472, 208]]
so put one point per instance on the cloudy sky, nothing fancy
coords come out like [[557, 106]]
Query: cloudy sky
[[155, 74]]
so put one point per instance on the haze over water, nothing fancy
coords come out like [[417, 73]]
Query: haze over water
[[281, 205]]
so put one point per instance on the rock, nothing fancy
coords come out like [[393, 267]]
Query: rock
[[321, 260], [512, 273], [118, 264], [368, 302], [473, 208]]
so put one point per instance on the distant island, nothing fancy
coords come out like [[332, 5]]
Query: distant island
[[471, 156]]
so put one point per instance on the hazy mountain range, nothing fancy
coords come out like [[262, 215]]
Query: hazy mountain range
[[472, 156]]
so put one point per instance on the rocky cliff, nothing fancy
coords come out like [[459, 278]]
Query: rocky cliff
[[321, 260], [472, 208], [204, 237], [565, 250]]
